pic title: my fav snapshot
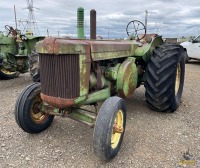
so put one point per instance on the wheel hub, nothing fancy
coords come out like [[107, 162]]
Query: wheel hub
[[36, 115], [7, 72], [117, 129]]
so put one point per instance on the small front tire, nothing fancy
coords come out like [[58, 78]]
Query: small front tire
[[27, 115], [109, 128]]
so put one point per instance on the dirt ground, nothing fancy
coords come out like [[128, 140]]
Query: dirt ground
[[151, 139]]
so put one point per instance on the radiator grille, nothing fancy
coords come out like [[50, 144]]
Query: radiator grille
[[59, 75]]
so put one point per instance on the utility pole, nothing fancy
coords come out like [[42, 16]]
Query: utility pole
[[32, 25], [157, 25], [15, 17], [22, 24]]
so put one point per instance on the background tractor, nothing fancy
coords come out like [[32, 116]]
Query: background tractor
[[76, 74], [15, 49]]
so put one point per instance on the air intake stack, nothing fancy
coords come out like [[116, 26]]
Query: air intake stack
[[92, 24], [80, 23]]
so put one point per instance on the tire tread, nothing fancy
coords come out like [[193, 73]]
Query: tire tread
[[160, 75]]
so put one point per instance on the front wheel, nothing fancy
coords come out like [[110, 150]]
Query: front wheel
[[6, 74], [165, 78], [109, 128], [27, 114]]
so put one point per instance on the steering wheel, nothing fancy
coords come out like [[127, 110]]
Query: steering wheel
[[10, 30], [135, 28]]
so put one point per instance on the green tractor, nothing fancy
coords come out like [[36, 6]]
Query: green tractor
[[75, 74], [15, 49]]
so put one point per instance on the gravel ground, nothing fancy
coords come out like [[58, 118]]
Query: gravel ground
[[151, 139]]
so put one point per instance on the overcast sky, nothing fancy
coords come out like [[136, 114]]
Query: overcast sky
[[169, 18]]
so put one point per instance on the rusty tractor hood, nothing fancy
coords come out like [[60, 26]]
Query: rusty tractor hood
[[99, 50]]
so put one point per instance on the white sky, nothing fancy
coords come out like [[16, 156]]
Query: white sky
[[169, 18]]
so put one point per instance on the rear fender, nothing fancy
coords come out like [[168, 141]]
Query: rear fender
[[147, 49]]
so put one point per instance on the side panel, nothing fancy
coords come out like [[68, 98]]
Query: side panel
[[8, 45], [102, 50], [146, 50]]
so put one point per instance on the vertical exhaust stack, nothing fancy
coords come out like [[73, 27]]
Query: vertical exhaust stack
[[92, 24], [80, 23]]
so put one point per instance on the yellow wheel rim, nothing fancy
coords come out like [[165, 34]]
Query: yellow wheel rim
[[36, 115], [117, 129], [178, 78], [7, 72]]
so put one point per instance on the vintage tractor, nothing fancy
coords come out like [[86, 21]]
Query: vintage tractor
[[76, 74], [15, 49]]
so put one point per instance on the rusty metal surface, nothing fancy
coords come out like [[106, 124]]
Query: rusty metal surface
[[102, 50], [52, 45], [64, 74], [89, 51], [57, 55], [85, 67], [117, 129], [127, 79], [60, 75], [92, 24], [57, 102], [99, 50]]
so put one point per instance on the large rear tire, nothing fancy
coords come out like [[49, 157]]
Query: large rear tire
[[27, 114], [165, 78], [34, 66], [109, 128]]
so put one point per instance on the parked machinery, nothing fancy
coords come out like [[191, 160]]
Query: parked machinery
[[76, 74], [15, 49]]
